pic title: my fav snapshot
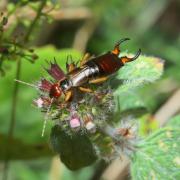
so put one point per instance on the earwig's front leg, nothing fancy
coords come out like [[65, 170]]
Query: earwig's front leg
[[98, 80], [68, 95], [85, 58], [87, 90], [70, 66]]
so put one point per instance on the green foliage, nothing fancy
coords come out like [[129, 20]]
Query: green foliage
[[153, 32], [22, 151], [76, 150], [134, 76], [142, 71], [157, 156]]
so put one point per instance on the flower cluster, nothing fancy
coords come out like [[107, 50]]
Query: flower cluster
[[85, 114]]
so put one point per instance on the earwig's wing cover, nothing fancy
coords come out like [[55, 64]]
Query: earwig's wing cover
[[55, 71], [45, 85]]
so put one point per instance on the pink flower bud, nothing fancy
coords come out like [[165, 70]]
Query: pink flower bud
[[39, 102], [74, 123]]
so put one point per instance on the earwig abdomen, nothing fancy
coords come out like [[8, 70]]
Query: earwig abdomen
[[95, 70], [103, 65], [82, 75], [107, 63]]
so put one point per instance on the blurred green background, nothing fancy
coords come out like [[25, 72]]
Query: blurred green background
[[73, 28]]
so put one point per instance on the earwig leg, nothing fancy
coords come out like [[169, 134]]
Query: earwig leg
[[126, 59], [116, 49], [98, 80], [68, 95], [70, 66], [85, 58], [87, 90]]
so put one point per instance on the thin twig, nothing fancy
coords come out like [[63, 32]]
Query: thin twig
[[169, 108], [56, 169], [31, 28], [118, 169], [85, 33], [80, 13]]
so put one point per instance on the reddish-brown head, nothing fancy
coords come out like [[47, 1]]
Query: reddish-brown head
[[55, 91]]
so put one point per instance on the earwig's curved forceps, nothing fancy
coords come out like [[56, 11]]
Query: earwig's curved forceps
[[121, 41], [126, 59], [116, 49], [136, 55]]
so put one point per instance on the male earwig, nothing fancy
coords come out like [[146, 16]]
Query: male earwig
[[92, 70]]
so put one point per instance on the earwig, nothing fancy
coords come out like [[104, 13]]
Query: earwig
[[92, 70]]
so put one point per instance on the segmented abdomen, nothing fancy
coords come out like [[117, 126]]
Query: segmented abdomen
[[107, 63], [82, 75]]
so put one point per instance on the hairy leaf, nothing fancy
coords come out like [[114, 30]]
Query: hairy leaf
[[157, 157], [133, 76], [144, 70]]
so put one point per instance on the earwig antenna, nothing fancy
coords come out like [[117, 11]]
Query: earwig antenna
[[46, 117], [28, 84]]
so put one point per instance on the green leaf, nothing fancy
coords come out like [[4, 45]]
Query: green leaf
[[174, 122], [75, 151], [144, 70], [157, 156], [21, 151], [133, 76]]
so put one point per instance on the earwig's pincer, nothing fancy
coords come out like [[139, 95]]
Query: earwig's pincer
[[137, 55], [126, 59], [116, 49], [121, 41]]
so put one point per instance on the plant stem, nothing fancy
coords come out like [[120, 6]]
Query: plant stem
[[30, 30], [15, 93], [12, 121]]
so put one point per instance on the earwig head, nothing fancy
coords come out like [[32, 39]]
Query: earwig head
[[55, 91]]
